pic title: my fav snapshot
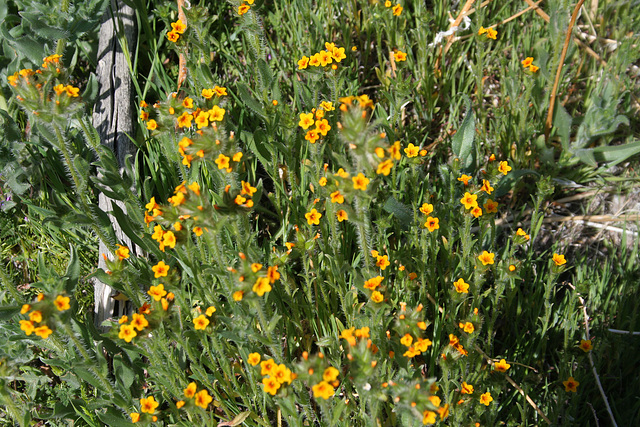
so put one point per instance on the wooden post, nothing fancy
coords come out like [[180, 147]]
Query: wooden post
[[113, 118]]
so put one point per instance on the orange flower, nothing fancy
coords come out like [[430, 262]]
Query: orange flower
[[585, 345], [571, 385], [490, 206], [138, 321], [184, 120], [559, 260], [377, 297], [486, 186], [190, 391], [504, 168], [261, 286], [243, 8], [432, 224], [62, 303], [271, 385], [466, 388], [323, 389], [303, 63], [200, 322], [253, 359], [502, 366], [203, 399], [486, 398], [342, 215], [465, 179]]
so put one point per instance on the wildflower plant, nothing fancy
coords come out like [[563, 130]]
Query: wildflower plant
[[317, 252]]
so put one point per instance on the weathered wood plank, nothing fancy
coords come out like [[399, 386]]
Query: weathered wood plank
[[113, 118]]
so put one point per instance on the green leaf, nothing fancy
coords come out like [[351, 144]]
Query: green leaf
[[114, 418], [265, 72], [72, 274], [462, 142], [562, 122], [250, 101], [399, 210]]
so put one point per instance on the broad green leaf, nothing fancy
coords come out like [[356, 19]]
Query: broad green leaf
[[462, 142]]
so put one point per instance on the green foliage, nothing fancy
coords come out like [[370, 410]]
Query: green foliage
[[367, 229]]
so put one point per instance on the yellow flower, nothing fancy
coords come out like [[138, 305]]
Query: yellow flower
[[491, 33], [157, 292], [571, 385], [282, 374], [27, 326], [325, 58], [148, 405], [467, 327], [377, 297], [184, 120], [411, 150], [533, 68], [384, 168], [152, 125], [253, 359], [312, 136], [200, 322], [336, 197], [330, 374], [178, 26], [486, 398], [138, 321], [504, 168], [272, 274], [502, 366], [373, 283], [382, 262], [360, 182], [127, 332], [210, 310], [261, 286], [216, 114], [400, 56], [469, 200], [397, 10], [267, 367], [62, 303], [220, 91], [486, 186], [25, 308], [466, 388], [465, 179], [432, 224], [243, 8], [169, 239], [585, 345], [202, 119], [135, 417], [486, 257], [222, 161], [190, 391], [490, 206], [303, 63], [559, 259], [180, 404], [314, 61], [342, 215], [160, 269], [271, 385], [43, 331], [322, 127], [476, 212], [207, 93], [461, 286], [203, 399], [426, 208], [238, 295], [428, 417], [35, 316], [527, 62], [337, 53], [522, 233], [323, 389], [313, 217], [406, 340], [306, 120]]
